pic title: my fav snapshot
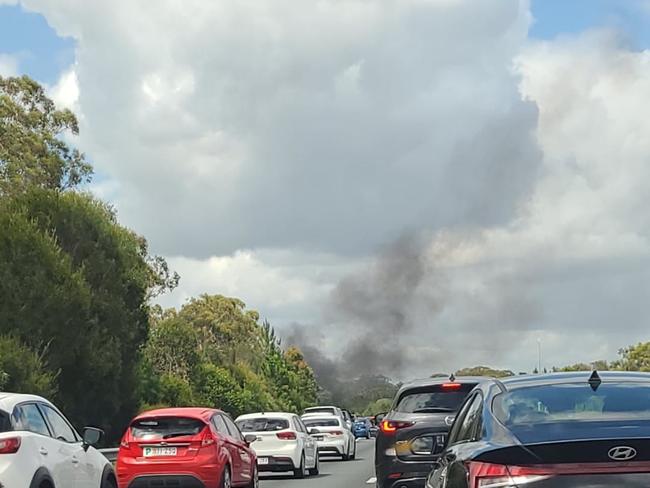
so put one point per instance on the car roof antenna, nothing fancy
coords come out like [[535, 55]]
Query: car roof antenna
[[594, 380], [452, 378]]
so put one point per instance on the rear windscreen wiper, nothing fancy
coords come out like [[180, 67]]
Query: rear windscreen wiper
[[177, 434]]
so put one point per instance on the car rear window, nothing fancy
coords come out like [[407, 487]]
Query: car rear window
[[573, 402], [165, 427], [5, 422], [320, 410], [333, 422], [434, 399], [262, 424]]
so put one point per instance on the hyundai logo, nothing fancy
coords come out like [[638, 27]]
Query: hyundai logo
[[449, 420], [622, 453]]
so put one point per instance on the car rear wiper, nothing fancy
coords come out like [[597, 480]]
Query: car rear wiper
[[433, 410], [177, 434]]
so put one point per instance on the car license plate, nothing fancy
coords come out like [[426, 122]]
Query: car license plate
[[262, 460], [159, 451]]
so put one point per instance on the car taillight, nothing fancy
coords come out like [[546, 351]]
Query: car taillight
[[487, 475], [10, 445], [451, 386], [208, 439], [124, 444], [392, 426], [286, 436], [336, 432]]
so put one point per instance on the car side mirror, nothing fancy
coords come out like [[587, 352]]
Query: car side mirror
[[91, 437], [250, 438], [313, 431]]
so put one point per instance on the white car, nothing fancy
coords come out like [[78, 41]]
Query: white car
[[329, 410], [39, 448], [332, 435], [283, 443]]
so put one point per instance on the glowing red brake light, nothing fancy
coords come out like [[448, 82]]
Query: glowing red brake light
[[392, 426], [10, 445], [487, 475], [286, 436], [451, 386]]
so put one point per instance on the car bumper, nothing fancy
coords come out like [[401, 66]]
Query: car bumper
[[165, 481], [276, 464], [292, 452], [163, 476], [395, 473], [333, 447]]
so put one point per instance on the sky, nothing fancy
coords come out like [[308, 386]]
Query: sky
[[400, 186]]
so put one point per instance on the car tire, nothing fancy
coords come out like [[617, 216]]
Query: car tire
[[109, 483], [300, 472], [354, 453], [226, 481], [315, 471]]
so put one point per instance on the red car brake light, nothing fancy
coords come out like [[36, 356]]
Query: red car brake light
[[484, 475], [392, 426], [286, 436], [10, 445], [208, 439], [451, 386]]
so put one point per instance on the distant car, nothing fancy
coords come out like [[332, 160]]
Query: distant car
[[282, 443], [564, 430], [332, 437], [193, 447], [413, 433], [361, 428], [39, 448]]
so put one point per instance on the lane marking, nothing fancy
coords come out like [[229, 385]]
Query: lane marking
[[371, 481]]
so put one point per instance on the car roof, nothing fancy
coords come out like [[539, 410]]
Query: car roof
[[442, 380], [191, 412], [322, 406], [285, 415], [523, 381], [9, 400]]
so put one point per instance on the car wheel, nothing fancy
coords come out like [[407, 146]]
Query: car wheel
[[226, 482], [301, 472], [354, 452], [109, 483], [255, 480], [316, 469]]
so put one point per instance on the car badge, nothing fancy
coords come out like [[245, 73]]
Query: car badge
[[622, 453], [449, 420]]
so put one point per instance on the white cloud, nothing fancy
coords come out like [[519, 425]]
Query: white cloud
[[65, 93], [314, 132], [8, 65]]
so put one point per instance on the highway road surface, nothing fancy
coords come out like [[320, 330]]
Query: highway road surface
[[333, 472]]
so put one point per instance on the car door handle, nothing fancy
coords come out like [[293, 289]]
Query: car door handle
[[43, 451], [75, 460]]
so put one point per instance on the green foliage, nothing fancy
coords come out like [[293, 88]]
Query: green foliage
[[23, 370], [484, 371], [32, 152], [634, 358], [379, 406], [228, 360]]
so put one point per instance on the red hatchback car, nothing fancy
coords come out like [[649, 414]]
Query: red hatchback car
[[185, 447]]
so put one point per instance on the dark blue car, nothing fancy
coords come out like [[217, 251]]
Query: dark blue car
[[361, 428]]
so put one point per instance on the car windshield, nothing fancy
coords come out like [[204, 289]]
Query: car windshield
[[262, 424], [573, 402], [433, 399], [332, 422], [5, 422], [165, 427]]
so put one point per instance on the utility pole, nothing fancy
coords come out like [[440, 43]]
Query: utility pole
[[539, 356]]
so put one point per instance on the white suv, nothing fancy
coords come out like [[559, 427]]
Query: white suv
[[39, 448]]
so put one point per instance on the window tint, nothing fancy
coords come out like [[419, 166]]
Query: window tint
[[28, 417], [433, 399], [333, 422], [5, 422], [262, 424], [573, 402], [232, 428], [62, 429], [301, 426], [165, 427], [321, 410], [468, 422], [220, 425]]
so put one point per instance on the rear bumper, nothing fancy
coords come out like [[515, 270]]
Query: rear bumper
[[394, 473], [332, 447], [170, 481], [291, 451], [276, 464]]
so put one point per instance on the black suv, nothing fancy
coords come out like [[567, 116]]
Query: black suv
[[413, 434]]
